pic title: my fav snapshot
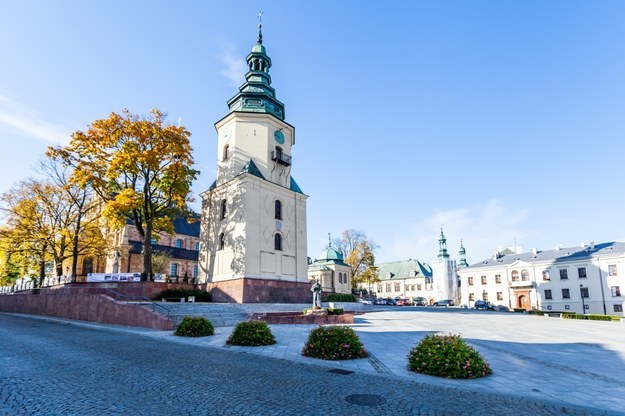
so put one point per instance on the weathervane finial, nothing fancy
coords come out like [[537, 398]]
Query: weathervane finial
[[260, 27]]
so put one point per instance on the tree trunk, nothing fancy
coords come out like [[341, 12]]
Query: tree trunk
[[42, 272], [147, 254]]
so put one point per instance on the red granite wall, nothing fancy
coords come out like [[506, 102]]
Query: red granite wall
[[259, 291], [88, 304], [298, 318], [149, 290]]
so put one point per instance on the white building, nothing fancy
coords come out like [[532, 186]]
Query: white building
[[564, 279], [253, 227]]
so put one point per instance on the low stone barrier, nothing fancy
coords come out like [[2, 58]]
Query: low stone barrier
[[297, 318]]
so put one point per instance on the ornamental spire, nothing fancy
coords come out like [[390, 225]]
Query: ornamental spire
[[259, 40], [463, 257], [442, 246], [329, 241]]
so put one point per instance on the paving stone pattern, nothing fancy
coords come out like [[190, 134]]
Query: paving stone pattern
[[53, 367]]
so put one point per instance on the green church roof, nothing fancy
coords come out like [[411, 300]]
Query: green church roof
[[256, 95], [251, 168], [404, 269]]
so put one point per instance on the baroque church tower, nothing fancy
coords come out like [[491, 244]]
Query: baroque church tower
[[253, 227], [445, 280]]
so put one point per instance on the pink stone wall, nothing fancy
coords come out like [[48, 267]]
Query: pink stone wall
[[86, 304], [259, 291], [296, 318]]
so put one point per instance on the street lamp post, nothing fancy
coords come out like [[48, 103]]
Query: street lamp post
[[581, 292]]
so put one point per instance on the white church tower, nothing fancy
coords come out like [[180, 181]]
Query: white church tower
[[444, 274], [253, 228]]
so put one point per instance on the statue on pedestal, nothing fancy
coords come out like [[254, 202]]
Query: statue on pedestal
[[116, 262], [316, 289]]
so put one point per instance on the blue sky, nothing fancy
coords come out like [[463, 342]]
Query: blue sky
[[503, 121]]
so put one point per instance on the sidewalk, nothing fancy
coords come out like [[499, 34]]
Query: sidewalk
[[580, 363]]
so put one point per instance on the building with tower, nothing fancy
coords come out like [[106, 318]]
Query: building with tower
[[444, 269], [253, 226], [331, 271]]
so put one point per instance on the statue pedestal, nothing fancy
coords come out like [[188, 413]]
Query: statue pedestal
[[316, 312]]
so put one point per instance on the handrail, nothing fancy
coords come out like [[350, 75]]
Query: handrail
[[153, 304]]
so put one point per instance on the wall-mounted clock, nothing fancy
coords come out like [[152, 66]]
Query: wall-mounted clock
[[278, 136]]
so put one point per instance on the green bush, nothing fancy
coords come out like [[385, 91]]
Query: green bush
[[335, 311], [195, 326], [536, 312], [341, 297], [447, 356], [592, 317], [520, 310], [252, 333], [200, 295], [333, 343]]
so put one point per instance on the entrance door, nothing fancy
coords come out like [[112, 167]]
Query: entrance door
[[522, 300]]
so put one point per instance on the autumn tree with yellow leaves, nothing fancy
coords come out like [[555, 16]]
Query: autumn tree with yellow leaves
[[140, 167], [358, 252]]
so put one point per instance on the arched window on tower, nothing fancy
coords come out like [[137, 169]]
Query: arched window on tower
[[277, 242], [222, 241], [225, 152], [222, 214], [278, 210]]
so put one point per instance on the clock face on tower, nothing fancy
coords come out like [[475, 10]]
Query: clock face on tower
[[278, 136]]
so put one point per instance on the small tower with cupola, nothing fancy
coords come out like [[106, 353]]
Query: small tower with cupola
[[444, 279], [254, 215]]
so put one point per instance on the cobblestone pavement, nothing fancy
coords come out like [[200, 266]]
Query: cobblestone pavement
[[52, 367]]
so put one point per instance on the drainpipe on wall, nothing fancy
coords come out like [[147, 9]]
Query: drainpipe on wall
[[605, 312]]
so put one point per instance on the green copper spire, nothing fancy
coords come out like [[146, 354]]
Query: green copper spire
[[442, 246], [463, 256], [256, 94]]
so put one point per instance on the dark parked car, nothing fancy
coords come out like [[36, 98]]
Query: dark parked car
[[419, 301], [484, 304], [444, 302], [391, 302]]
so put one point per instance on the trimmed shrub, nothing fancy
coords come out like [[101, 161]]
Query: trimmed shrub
[[200, 295], [195, 326], [536, 312], [592, 317], [447, 356], [341, 297], [333, 343], [251, 334], [335, 311]]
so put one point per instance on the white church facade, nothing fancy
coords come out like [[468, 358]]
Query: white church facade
[[253, 227]]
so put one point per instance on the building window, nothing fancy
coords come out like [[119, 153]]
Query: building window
[[484, 281], [197, 246], [222, 214], [470, 280], [380, 287], [499, 295], [471, 297], [173, 270], [397, 287], [153, 241], [195, 270], [179, 243], [584, 292], [278, 210], [546, 276], [616, 291], [566, 294], [277, 242], [612, 270], [548, 294], [484, 295], [581, 272], [618, 308], [412, 288], [388, 288], [225, 152], [564, 274], [525, 275], [418, 286], [515, 276], [222, 241], [497, 278]]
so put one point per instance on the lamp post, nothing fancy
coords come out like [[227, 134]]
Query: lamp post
[[581, 292]]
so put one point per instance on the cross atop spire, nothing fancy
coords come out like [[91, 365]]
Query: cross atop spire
[[259, 40], [329, 241]]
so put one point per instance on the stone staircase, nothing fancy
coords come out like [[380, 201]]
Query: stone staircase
[[224, 314]]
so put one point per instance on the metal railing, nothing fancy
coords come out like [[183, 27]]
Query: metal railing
[[141, 300], [281, 158]]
